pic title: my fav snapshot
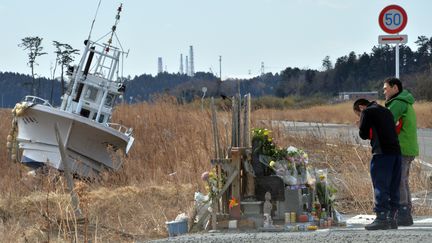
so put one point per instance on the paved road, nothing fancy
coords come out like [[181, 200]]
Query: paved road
[[350, 134], [355, 232]]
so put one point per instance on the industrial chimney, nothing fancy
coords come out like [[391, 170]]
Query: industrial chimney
[[160, 65], [192, 70]]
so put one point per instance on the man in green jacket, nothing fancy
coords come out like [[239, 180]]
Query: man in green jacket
[[400, 102]]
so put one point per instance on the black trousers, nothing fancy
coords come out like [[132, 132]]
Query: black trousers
[[386, 176]]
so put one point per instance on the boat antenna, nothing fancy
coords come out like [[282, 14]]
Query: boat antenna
[[114, 27], [94, 19]]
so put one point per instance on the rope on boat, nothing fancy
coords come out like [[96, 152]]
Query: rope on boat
[[12, 143]]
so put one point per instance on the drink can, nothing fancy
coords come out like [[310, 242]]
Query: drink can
[[293, 217], [322, 223], [287, 218]]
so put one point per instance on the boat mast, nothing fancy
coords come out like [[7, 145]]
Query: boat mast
[[113, 66]]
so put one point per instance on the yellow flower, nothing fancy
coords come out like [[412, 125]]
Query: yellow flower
[[272, 163], [211, 174], [322, 177]]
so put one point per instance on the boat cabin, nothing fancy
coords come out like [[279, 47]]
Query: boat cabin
[[95, 84]]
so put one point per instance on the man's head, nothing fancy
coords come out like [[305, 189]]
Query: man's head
[[359, 105], [391, 87]]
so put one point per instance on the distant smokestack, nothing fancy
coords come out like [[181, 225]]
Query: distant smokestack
[[160, 65], [181, 64], [192, 70], [187, 66]]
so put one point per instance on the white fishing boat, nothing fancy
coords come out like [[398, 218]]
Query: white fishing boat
[[90, 140]]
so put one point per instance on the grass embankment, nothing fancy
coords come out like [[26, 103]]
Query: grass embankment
[[173, 147]]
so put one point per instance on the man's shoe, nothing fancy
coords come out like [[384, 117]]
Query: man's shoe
[[378, 224], [404, 217], [405, 220], [393, 223], [391, 218]]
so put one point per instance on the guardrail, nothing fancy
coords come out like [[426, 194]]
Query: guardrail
[[123, 129], [37, 100]]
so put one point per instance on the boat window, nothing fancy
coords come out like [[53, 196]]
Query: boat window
[[101, 118], [109, 100], [85, 113], [91, 93]]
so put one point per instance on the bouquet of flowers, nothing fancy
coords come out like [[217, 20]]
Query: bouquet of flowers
[[213, 185], [292, 167], [263, 141], [325, 192]]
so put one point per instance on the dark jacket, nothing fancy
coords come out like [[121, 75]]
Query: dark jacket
[[379, 120]]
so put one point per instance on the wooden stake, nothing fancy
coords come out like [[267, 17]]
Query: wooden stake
[[67, 173]]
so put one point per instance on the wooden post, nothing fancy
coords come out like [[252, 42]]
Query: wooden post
[[215, 131], [218, 155], [236, 154], [247, 143], [239, 140], [67, 173], [247, 121], [234, 141]]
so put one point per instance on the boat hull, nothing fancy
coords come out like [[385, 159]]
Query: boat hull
[[90, 146]]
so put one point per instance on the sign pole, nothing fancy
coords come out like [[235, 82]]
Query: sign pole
[[397, 60]]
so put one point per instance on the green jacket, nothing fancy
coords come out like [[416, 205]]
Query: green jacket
[[401, 107]]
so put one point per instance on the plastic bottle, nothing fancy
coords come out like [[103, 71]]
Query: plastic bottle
[[323, 214]]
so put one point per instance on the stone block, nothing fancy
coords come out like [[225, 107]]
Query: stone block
[[251, 208]]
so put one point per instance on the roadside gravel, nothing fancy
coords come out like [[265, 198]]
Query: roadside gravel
[[418, 234]]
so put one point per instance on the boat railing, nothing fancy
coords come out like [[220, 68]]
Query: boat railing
[[37, 100], [120, 128]]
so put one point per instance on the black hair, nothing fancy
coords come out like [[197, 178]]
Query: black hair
[[360, 102], [394, 81]]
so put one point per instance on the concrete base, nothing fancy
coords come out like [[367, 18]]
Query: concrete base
[[251, 208]]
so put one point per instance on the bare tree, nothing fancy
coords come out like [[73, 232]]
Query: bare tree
[[65, 55], [34, 48]]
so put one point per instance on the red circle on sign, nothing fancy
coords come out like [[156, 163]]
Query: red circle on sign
[[401, 26]]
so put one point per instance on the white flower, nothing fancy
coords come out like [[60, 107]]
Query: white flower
[[292, 149]]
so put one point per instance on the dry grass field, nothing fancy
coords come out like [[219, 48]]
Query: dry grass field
[[338, 113], [173, 147]]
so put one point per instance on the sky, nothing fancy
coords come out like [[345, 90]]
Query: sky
[[245, 33]]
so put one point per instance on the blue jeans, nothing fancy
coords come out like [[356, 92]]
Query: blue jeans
[[386, 176]]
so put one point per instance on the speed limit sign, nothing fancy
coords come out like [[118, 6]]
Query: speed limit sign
[[393, 19]]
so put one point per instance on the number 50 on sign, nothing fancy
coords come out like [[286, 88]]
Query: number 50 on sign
[[393, 19]]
